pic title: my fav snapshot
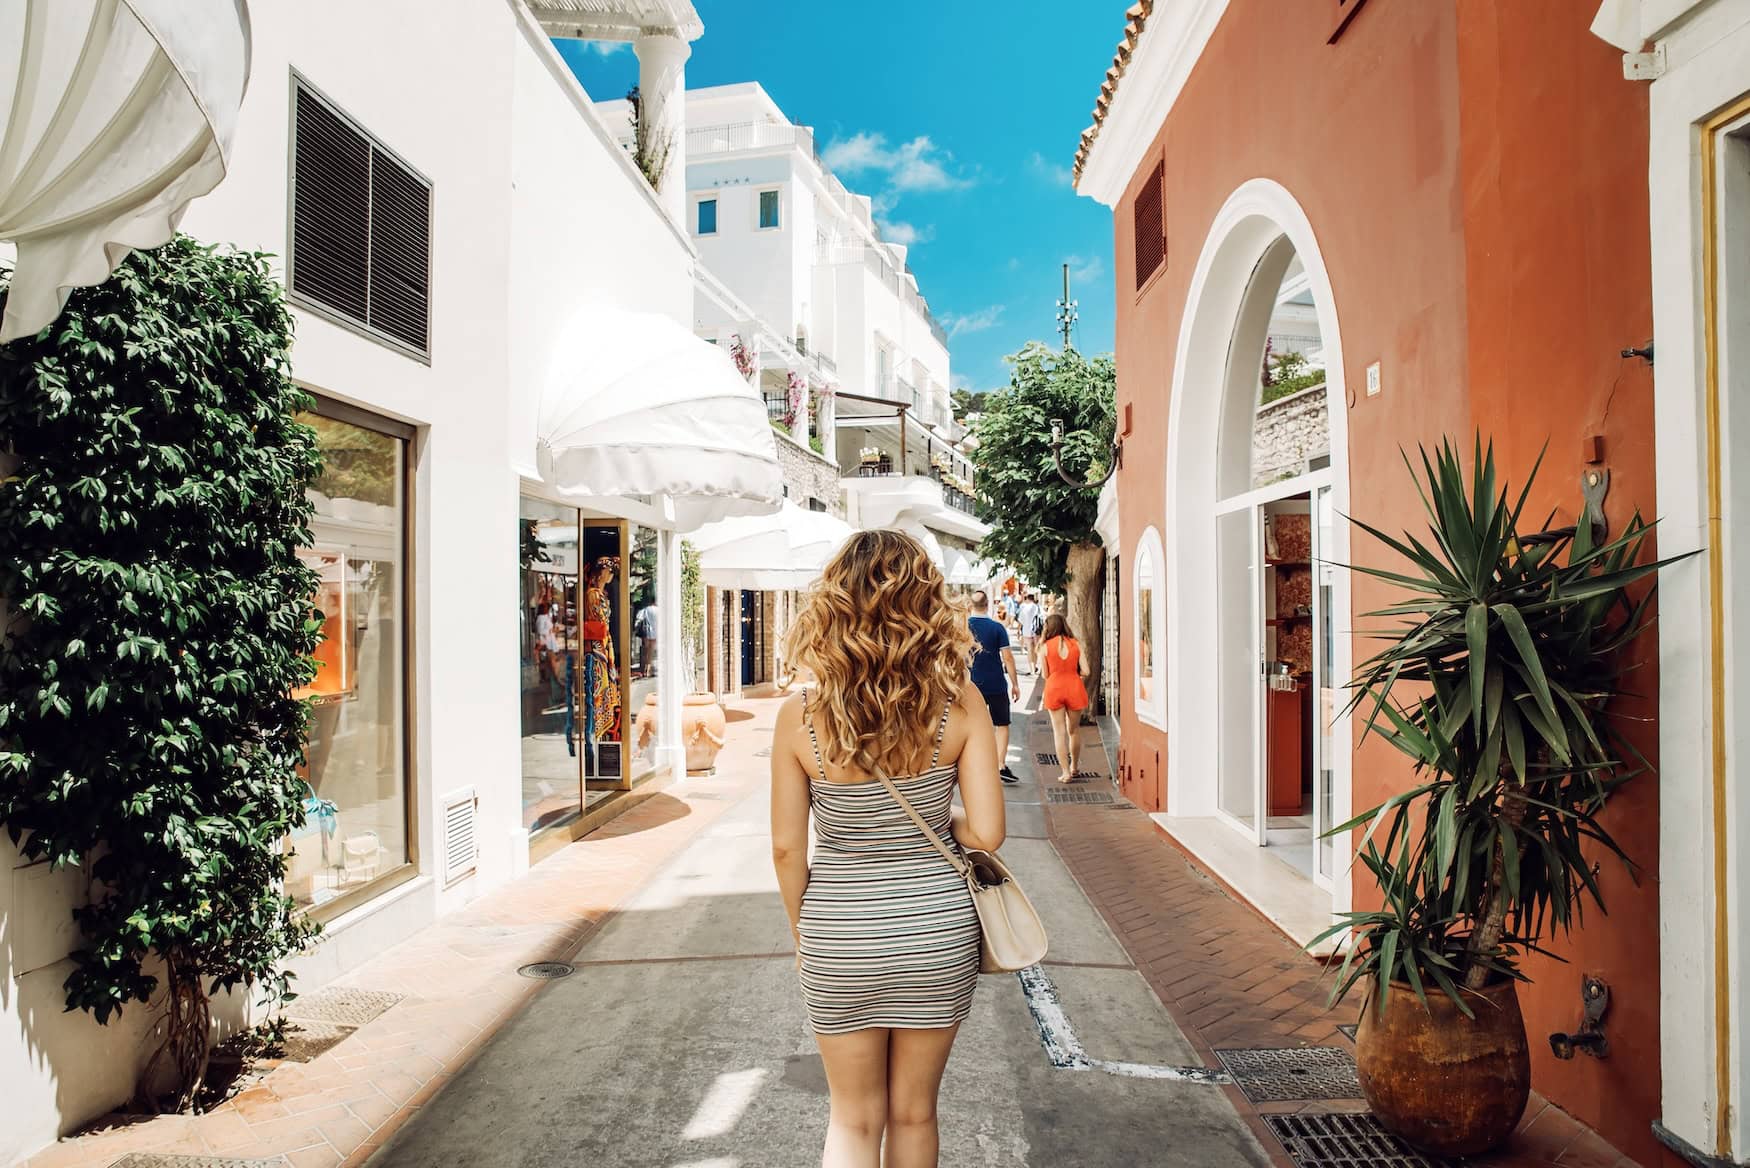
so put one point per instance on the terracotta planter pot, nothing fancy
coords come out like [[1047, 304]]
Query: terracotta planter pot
[[702, 726], [1447, 1084], [702, 730]]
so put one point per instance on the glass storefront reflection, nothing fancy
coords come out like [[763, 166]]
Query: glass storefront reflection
[[355, 767], [547, 554]]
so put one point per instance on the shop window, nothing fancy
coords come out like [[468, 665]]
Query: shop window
[[355, 839], [1149, 650], [548, 640], [768, 208]]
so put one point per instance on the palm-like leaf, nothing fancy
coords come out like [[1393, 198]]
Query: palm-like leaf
[[1496, 683]]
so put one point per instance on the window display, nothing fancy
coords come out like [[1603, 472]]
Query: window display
[[547, 542], [355, 770]]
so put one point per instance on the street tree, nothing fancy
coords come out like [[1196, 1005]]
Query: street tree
[[1043, 526]]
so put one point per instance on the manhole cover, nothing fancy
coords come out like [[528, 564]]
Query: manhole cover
[[1344, 1141], [548, 970], [1302, 1072], [164, 1160], [342, 1005], [1059, 795], [306, 1038]]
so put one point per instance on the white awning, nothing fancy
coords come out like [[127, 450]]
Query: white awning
[[925, 536], [784, 550], [116, 114], [636, 405], [961, 567]]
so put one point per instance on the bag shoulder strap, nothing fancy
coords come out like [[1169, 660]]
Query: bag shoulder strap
[[953, 857]]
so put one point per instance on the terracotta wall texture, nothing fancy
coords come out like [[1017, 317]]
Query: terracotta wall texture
[[1475, 174]]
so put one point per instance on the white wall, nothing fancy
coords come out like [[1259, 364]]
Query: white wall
[[536, 216]]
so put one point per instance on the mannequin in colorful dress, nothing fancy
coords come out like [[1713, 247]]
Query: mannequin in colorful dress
[[604, 695]]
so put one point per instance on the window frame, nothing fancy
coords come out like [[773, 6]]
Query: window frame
[[307, 303], [777, 194], [1150, 551], [716, 215], [411, 787]]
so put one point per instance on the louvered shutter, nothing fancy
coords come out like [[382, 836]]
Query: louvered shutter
[[1149, 226], [361, 226]]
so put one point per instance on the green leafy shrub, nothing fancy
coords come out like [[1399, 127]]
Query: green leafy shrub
[[160, 622]]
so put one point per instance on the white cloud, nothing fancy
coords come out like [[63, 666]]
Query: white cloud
[[917, 165], [905, 234], [609, 48], [1052, 172], [973, 322], [1085, 269]]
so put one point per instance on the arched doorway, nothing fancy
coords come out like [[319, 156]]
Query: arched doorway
[[1258, 629]]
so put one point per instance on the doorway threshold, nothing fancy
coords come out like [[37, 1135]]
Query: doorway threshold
[[1277, 892]]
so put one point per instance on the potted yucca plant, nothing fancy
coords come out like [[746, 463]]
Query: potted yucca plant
[[1497, 683]]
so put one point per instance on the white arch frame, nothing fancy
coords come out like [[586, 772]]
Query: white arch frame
[[1257, 214], [1150, 550]]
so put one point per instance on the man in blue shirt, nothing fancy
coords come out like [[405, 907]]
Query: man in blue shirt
[[989, 663]]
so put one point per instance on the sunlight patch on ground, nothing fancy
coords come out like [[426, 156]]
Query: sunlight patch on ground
[[723, 1105]]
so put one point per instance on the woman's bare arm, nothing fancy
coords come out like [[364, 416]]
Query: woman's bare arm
[[981, 791], [789, 811]]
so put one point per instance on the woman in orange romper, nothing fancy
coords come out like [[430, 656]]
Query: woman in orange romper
[[1060, 658]]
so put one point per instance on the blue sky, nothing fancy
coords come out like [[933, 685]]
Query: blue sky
[[960, 119]]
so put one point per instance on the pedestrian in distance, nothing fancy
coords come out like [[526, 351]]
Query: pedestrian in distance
[[887, 937], [993, 672], [1031, 620], [1060, 657]]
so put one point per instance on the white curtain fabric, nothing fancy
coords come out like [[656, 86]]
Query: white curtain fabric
[[115, 115], [925, 536], [959, 567], [635, 404]]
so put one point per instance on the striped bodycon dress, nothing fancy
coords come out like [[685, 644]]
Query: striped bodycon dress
[[889, 936]]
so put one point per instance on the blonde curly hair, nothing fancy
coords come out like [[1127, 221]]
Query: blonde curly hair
[[888, 648]]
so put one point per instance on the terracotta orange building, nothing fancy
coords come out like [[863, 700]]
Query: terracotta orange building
[[1343, 229]]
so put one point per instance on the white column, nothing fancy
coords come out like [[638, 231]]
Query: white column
[[670, 754], [662, 82]]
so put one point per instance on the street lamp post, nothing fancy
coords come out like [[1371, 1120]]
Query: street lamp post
[[1112, 464]]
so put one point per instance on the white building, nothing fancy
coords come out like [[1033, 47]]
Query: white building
[[452, 742], [828, 315]]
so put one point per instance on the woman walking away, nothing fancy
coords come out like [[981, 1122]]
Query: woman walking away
[[1060, 658], [887, 939]]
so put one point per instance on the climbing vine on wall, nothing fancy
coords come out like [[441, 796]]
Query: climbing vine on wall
[[161, 621]]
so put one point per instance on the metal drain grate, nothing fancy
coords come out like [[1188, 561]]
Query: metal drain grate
[[1060, 795], [1303, 1072], [1045, 759], [165, 1160], [341, 1005], [1344, 1141], [548, 970], [1349, 1029]]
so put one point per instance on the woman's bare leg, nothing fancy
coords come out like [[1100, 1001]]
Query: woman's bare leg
[[856, 1075], [1072, 721], [1060, 737], [915, 1061]]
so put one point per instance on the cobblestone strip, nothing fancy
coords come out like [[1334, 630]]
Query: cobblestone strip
[[1227, 977]]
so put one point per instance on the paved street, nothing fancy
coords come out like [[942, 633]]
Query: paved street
[[681, 1041]]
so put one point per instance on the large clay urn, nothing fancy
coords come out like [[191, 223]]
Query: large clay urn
[[702, 730], [702, 727], [1447, 1084]]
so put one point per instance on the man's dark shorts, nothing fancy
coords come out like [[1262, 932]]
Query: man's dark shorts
[[998, 701]]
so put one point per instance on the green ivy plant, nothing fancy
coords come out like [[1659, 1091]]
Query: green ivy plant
[[692, 614], [160, 622]]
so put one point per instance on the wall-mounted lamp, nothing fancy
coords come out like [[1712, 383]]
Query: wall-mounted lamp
[[1112, 464]]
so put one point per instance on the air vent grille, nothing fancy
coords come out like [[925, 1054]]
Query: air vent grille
[[461, 835], [1150, 229], [361, 226]]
